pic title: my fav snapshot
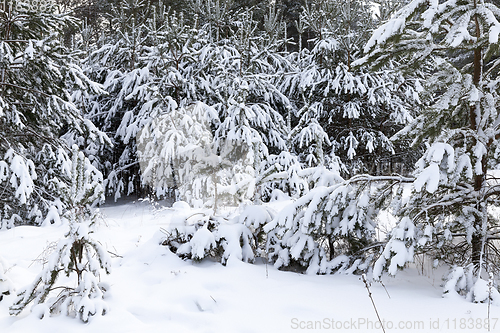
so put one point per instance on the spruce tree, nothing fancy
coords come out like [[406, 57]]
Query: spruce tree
[[344, 113], [448, 214], [37, 76], [116, 61], [77, 255]]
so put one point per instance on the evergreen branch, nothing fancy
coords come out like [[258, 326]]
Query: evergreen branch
[[15, 41], [25, 89]]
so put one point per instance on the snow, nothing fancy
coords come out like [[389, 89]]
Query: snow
[[152, 290], [202, 240], [429, 177], [395, 25], [481, 290], [479, 151], [52, 216], [22, 176], [29, 51], [493, 35]]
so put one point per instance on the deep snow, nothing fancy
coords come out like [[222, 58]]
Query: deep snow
[[152, 290]]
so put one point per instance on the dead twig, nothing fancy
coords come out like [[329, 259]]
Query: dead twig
[[367, 285]]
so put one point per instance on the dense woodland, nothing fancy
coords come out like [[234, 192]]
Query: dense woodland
[[346, 108]]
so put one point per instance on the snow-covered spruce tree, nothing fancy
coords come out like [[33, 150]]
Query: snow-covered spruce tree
[[175, 151], [168, 68], [92, 142], [210, 177], [282, 172], [77, 255], [250, 104], [187, 60], [233, 79], [241, 143], [238, 235], [216, 17], [448, 214], [332, 227], [341, 111], [35, 108], [117, 65], [226, 79]]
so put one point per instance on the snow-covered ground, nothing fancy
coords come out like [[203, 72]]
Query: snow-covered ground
[[152, 290]]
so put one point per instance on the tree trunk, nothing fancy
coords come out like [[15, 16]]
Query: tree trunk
[[477, 237]]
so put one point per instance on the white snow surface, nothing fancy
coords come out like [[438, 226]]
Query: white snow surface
[[152, 290]]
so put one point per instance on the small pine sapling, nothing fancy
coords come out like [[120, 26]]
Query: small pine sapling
[[237, 236], [77, 254]]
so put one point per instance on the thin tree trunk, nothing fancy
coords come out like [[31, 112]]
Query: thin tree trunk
[[477, 237]]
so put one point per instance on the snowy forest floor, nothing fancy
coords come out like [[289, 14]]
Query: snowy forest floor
[[152, 290]]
